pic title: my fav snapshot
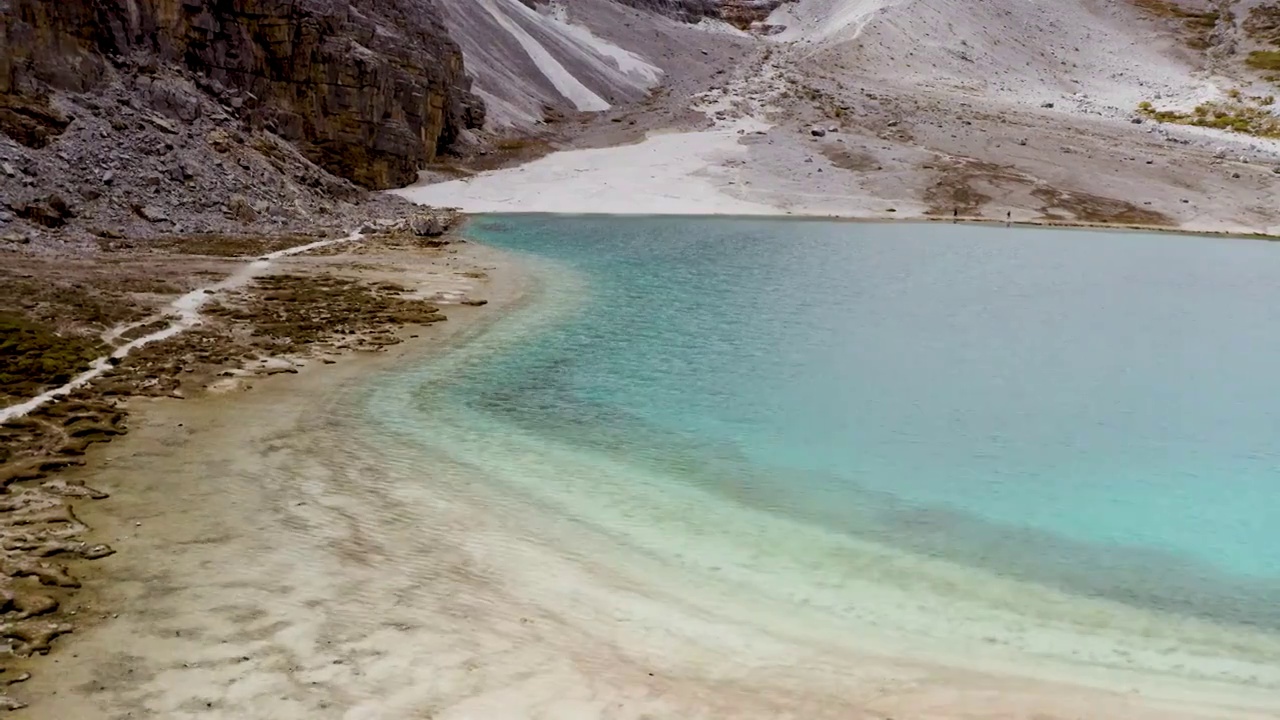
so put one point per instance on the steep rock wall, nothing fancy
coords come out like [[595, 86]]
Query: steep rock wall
[[370, 93]]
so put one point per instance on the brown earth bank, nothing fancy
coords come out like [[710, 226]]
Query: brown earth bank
[[61, 314]]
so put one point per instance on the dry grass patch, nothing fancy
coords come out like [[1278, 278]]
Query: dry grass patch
[[956, 192], [1198, 25], [1089, 208], [1249, 115], [220, 245], [1264, 60], [849, 159]]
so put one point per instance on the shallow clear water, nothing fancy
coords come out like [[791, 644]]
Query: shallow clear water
[[1096, 413]]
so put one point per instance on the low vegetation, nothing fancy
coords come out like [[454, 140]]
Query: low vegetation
[[1240, 113], [1264, 60], [1198, 25], [33, 357]]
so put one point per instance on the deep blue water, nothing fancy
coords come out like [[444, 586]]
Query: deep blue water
[[1097, 412]]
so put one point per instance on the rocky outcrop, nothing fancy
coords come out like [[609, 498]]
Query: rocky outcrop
[[746, 13], [370, 91], [686, 10], [742, 13]]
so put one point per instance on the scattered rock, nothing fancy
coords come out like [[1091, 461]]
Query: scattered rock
[[51, 211], [168, 126], [1046, 105], [220, 140], [427, 226], [153, 213], [29, 120], [817, 132], [240, 209]]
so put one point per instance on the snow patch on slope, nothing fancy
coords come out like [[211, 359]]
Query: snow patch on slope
[[563, 80], [627, 62]]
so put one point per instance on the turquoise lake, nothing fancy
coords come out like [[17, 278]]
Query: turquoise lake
[[1093, 412]]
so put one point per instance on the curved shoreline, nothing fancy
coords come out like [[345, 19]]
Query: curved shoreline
[[631, 520], [385, 585]]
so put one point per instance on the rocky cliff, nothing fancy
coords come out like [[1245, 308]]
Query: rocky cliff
[[369, 93], [741, 13]]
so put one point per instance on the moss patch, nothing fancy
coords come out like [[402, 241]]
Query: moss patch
[[1264, 60], [1243, 114], [35, 358], [219, 245]]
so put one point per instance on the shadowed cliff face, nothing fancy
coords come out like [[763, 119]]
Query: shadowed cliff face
[[371, 94], [736, 12]]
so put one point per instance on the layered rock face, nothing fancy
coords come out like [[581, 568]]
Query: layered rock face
[[741, 13], [370, 94]]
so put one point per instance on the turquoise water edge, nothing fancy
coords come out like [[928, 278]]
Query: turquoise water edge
[[1094, 414]]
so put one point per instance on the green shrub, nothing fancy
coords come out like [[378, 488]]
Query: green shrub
[[1264, 59]]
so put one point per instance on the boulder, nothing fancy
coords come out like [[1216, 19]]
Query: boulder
[[153, 213], [220, 140], [50, 211], [428, 225], [28, 120]]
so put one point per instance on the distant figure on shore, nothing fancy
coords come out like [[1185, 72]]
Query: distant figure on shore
[[955, 215], [1008, 217]]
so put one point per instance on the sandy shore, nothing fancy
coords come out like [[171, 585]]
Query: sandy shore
[[264, 571], [302, 306]]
